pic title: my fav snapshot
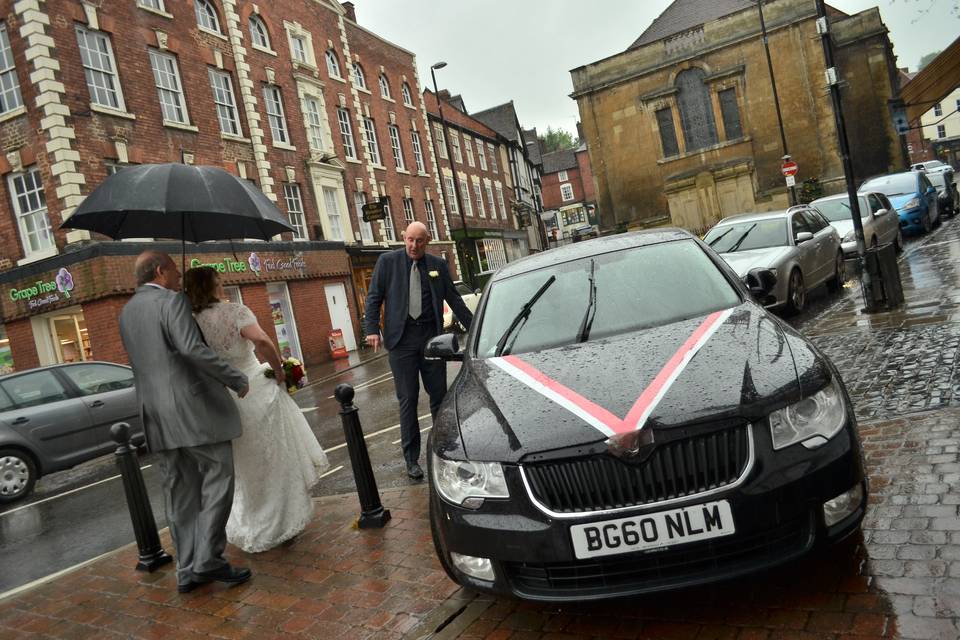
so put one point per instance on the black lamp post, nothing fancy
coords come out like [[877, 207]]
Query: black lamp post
[[453, 166], [791, 194]]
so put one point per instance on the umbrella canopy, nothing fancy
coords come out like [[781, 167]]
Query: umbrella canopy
[[180, 201]]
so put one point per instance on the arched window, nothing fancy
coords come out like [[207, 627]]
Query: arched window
[[333, 64], [207, 15], [696, 110], [258, 32], [407, 96], [358, 77], [384, 86]]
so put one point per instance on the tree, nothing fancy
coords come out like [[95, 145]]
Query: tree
[[557, 139], [927, 59]]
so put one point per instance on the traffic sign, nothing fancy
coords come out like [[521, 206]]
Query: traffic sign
[[791, 181], [789, 168]]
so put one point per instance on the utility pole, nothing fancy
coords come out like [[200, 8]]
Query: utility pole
[[791, 193]]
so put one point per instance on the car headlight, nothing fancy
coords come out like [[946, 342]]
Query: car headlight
[[912, 204], [812, 421], [460, 481], [850, 237]]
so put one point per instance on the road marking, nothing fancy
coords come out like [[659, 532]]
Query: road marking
[[331, 472], [369, 383], [421, 431], [66, 493], [376, 433]]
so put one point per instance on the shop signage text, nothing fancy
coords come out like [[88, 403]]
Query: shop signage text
[[225, 266], [43, 292], [254, 263]]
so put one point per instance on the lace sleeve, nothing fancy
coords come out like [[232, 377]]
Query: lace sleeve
[[244, 317]]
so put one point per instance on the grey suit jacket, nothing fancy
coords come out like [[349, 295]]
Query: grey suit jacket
[[180, 380]]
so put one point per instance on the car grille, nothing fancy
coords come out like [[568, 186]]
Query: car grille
[[674, 470], [680, 566]]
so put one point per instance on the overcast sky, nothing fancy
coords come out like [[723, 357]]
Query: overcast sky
[[523, 50]]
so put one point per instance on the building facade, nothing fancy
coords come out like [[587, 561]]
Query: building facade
[[941, 129], [569, 203], [292, 95], [682, 127]]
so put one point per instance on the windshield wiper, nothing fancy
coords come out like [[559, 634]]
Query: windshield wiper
[[587, 321], [717, 239], [522, 316], [736, 245]]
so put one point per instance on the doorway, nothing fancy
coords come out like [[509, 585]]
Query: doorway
[[340, 313]]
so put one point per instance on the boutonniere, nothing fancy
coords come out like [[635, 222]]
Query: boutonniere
[[434, 274]]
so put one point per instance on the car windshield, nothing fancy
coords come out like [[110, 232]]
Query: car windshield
[[742, 236], [839, 210], [939, 180], [893, 185], [635, 289]]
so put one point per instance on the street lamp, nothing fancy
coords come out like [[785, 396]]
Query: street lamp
[[791, 193], [453, 166]]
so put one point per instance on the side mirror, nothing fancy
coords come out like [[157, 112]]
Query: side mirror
[[476, 291], [881, 212], [443, 347], [761, 282], [803, 236]]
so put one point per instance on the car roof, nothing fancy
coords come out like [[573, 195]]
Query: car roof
[[587, 248], [60, 365], [838, 196], [764, 215]]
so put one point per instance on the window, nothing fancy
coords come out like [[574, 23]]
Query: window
[[156, 5], [958, 104], [358, 78], [395, 146], [937, 109], [941, 131], [372, 147], [481, 210], [96, 55], [441, 141], [259, 35], [408, 213], [346, 133], [99, 378], [291, 196], [562, 176], [388, 229], [465, 197], [468, 147], [331, 204], [431, 219], [481, 156], [500, 203], [730, 112], [491, 254], [207, 15], [223, 97], [668, 135], [278, 122], [384, 87], [417, 152], [10, 97], [366, 230], [30, 206], [493, 158], [451, 196], [407, 96], [696, 110], [32, 389], [298, 49], [314, 122], [113, 167], [455, 147], [493, 207], [169, 90], [566, 192], [333, 64]]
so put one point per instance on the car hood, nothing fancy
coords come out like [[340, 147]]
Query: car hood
[[743, 261], [750, 366], [844, 227], [902, 199]]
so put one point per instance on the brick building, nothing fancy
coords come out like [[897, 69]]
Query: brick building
[[292, 95], [569, 198]]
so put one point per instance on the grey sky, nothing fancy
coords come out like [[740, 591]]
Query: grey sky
[[523, 50]]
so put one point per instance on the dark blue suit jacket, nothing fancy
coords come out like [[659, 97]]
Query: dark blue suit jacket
[[390, 288]]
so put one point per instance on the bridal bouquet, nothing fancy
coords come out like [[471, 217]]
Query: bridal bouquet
[[294, 372]]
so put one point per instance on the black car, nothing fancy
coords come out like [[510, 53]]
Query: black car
[[949, 202], [738, 451]]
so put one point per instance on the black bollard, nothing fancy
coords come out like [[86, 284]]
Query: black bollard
[[372, 513], [152, 555]]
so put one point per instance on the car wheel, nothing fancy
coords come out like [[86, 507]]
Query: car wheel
[[796, 292], [18, 474], [840, 270], [898, 241]]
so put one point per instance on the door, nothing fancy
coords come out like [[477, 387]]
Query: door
[[826, 248], [340, 313], [806, 251], [284, 323], [109, 394], [929, 193], [885, 226]]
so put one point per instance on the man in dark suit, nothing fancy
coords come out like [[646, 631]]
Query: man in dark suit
[[412, 286]]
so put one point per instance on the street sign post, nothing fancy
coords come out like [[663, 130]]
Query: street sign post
[[789, 168], [373, 211]]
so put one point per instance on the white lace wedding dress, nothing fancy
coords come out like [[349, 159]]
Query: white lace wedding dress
[[277, 460]]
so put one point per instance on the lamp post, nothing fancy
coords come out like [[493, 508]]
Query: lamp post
[[453, 168], [776, 99]]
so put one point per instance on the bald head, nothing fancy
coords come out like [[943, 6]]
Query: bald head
[[416, 238], [157, 267]]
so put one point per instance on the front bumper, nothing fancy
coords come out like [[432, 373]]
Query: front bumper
[[911, 220], [777, 511]]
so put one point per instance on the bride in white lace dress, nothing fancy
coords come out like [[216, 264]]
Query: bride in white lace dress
[[277, 460]]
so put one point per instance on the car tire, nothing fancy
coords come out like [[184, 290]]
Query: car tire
[[835, 283], [796, 292], [18, 474], [898, 241]]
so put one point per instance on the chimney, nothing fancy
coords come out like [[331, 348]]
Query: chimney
[[351, 12], [444, 95]]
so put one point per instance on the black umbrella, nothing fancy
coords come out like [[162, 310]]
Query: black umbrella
[[185, 202]]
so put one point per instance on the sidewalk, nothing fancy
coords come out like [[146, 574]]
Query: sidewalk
[[901, 580], [331, 368]]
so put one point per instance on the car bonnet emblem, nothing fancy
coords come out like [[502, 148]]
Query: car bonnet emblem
[[635, 446]]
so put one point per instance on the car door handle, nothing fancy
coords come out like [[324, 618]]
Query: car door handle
[[96, 403], [21, 420]]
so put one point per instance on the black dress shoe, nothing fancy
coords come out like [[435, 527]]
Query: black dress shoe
[[414, 471], [189, 586], [232, 575]]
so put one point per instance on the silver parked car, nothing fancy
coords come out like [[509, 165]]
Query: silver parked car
[[56, 417], [797, 244], [881, 224]]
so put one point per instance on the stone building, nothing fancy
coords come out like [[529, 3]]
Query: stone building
[[292, 95], [682, 126]]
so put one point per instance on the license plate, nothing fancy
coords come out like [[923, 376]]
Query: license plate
[[653, 530]]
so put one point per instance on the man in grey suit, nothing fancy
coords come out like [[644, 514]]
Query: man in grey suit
[[412, 285], [188, 416]]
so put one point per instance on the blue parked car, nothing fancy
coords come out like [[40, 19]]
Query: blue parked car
[[913, 196]]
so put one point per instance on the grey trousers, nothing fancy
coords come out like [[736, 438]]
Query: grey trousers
[[198, 484]]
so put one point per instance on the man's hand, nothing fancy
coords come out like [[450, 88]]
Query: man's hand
[[243, 391], [374, 341]]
